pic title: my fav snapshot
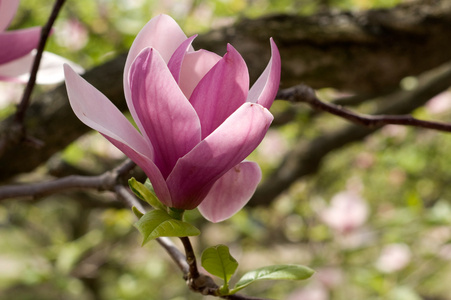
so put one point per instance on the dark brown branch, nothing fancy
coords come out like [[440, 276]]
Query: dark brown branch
[[190, 257], [45, 33], [103, 182], [306, 156], [304, 94], [15, 131], [362, 51]]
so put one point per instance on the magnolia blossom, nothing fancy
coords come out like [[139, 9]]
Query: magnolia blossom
[[17, 51], [347, 212], [393, 257], [196, 116]]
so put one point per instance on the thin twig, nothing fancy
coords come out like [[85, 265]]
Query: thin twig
[[45, 33], [305, 94]]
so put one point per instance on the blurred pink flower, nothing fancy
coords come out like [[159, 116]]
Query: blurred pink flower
[[197, 118], [311, 292], [393, 257], [330, 277], [17, 55], [347, 212], [440, 103], [273, 147], [71, 34]]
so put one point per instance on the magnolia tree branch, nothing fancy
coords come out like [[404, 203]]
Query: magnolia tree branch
[[304, 94], [306, 156], [45, 33], [15, 133], [104, 182]]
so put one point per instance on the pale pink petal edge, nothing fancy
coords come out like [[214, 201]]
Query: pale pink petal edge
[[265, 88], [231, 192]]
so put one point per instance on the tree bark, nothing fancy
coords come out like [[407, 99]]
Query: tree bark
[[363, 52]]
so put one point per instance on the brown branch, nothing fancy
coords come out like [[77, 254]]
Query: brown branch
[[104, 182], [45, 33], [306, 156], [190, 257], [304, 94], [16, 129]]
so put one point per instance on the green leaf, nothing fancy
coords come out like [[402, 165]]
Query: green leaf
[[276, 272], [145, 192], [218, 261], [158, 223], [137, 212]]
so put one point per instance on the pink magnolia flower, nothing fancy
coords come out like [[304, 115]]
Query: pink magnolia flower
[[196, 116], [394, 257], [17, 51], [347, 212]]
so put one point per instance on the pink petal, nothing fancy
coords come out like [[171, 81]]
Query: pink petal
[[195, 173], [175, 63], [161, 33], [195, 66], [96, 111], [265, 88], [50, 68], [168, 119], [231, 192], [8, 9], [20, 43], [221, 91]]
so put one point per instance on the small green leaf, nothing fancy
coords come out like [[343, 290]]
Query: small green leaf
[[276, 272], [158, 223], [137, 213], [145, 192], [218, 261]]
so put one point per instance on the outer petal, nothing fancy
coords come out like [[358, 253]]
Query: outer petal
[[96, 111], [168, 119], [196, 172], [265, 88], [50, 69], [161, 33], [175, 63], [222, 90], [195, 66], [19, 43], [8, 9], [231, 192]]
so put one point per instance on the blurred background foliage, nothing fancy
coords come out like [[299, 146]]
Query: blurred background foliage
[[374, 221]]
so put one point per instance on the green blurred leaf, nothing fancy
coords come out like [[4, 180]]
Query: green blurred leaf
[[218, 261], [137, 212], [145, 193], [276, 272], [158, 223]]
